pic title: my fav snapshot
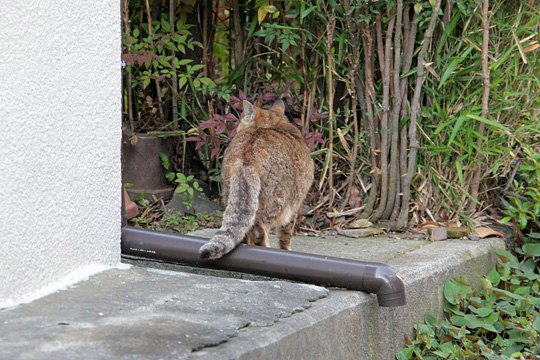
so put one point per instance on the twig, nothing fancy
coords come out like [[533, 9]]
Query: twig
[[345, 213]]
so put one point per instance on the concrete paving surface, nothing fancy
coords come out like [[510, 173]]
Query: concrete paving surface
[[166, 311]]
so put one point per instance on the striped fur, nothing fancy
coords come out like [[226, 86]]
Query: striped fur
[[267, 172]]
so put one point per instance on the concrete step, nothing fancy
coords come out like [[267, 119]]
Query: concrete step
[[164, 311]]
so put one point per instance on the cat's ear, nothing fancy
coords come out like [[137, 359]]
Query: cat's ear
[[249, 113], [279, 106]]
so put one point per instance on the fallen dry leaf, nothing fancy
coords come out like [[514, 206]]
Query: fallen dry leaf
[[484, 232], [429, 224], [358, 233], [360, 223]]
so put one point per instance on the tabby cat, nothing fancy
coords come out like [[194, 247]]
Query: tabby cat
[[267, 172]]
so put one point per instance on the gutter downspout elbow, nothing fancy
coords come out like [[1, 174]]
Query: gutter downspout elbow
[[387, 285]]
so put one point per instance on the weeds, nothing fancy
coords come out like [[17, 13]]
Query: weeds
[[501, 320]]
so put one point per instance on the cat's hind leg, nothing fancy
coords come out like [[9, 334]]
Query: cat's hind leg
[[257, 235], [285, 234]]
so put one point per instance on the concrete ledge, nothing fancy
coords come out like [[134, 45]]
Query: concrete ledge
[[206, 314], [349, 324]]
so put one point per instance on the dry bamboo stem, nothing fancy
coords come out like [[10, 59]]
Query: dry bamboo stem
[[367, 38], [330, 66], [172, 11], [127, 29], [475, 183], [238, 35], [393, 178], [158, 88], [354, 61], [384, 130], [409, 40], [415, 110]]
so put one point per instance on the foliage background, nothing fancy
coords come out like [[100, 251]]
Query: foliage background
[[371, 83]]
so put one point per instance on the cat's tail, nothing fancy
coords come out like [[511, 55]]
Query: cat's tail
[[239, 216]]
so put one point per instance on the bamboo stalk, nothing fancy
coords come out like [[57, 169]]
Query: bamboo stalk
[[408, 53], [158, 88], [475, 183], [127, 30], [304, 76], [393, 178], [367, 39], [172, 11], [354, 61], [330, 66], [384, 129], [402, 219], [238, 36]]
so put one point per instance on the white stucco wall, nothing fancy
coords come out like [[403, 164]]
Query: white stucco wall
[[59, 145]]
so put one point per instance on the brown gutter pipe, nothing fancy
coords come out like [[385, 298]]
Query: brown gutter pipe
[[370, 277]]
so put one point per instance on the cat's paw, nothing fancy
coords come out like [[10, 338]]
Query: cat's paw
[[207, 251], [221, 244]]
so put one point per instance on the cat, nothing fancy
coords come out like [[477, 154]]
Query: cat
[[266, 172]]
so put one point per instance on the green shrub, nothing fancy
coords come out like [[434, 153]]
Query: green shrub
[[500, 321], [523, 204]]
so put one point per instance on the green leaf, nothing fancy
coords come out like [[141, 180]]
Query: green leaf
[[493, 277], [197, 67], [185, 62], [458, 320], [504, 254], [170, 176], [165, 26], [264, 10], [536, 324], [532, 249], [448, 71], [165, 160], [456, 290], [179, 38], [483, 312], [207, 81], [456, 128], [146, 82], [459, 170], [182, 80], [486, 284], [488, 122], [501, 292], [180, 178]]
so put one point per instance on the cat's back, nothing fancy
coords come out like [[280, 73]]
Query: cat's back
[[268, 148]]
